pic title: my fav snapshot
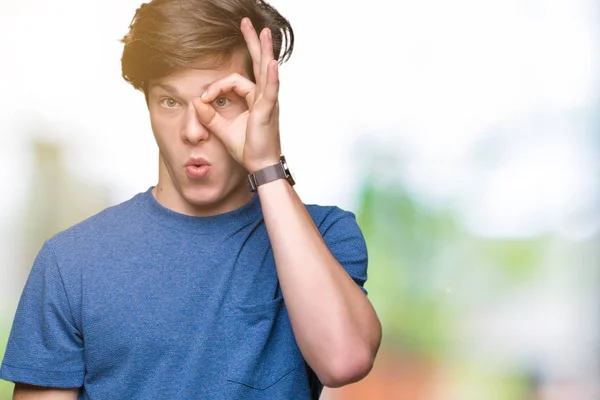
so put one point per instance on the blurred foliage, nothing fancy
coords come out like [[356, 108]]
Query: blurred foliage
[[425, 268], [56, 198], [404, 238], [517, 259], [6, 388]]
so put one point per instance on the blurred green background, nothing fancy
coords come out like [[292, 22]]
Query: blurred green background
[[470, 156]]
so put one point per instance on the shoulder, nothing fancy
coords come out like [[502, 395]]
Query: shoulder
[[342, 234], [110, 224], [333, 219]]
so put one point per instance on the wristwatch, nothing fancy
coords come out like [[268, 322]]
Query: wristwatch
[[269, 174]]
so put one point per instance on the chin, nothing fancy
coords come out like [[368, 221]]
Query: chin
[[202, 196]]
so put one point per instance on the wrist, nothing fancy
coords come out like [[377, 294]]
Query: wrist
[[274, 186], [255, 166], [274, 170]]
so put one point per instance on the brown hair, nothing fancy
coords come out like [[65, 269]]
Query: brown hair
[[165, 35]]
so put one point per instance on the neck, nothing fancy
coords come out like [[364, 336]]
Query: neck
[[171, 198]]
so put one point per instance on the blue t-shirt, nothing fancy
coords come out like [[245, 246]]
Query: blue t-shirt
[[140, 302]]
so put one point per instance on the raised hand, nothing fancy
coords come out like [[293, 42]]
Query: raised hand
[[252, 137]]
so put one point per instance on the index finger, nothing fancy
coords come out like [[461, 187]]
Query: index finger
[[234, 82]]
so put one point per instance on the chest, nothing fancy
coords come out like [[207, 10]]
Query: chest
[[178, 312], [174, 290]]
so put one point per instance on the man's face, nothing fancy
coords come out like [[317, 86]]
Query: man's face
[[184, 144]]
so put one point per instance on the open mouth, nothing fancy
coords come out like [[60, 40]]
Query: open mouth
[[197, 171]]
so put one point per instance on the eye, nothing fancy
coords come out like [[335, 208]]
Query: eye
[[169, 103], [221, 102]]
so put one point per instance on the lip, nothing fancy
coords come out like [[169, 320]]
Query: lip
[[197, 168], [197, 162]]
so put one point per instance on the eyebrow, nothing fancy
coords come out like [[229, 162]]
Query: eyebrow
[[173, 90]]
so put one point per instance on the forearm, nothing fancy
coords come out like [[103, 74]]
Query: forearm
[[334, 323]]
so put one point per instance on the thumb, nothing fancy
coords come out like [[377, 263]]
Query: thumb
[[210, 118]]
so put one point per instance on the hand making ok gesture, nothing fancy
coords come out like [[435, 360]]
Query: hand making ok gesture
[[252, 137]]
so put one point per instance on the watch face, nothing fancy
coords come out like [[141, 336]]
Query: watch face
[[288, 174]]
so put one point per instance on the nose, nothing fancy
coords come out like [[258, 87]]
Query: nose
[[193, 131]]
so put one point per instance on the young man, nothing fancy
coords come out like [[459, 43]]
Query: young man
[[217, 283]]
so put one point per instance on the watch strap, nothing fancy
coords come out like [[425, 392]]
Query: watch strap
[[269, 174], [265, 175]]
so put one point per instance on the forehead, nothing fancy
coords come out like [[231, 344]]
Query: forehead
[[192, 82]]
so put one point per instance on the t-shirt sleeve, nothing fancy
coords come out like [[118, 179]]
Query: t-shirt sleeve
[[347, 243], [45, 348]]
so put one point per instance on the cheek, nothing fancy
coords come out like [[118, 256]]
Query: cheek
[[234, 167], [241, 106], [218, 149], [163, 134], [162, 127], [236, 108]]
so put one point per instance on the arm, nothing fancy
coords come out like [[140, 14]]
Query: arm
[[27, 392], [45, 347], [335, 325]]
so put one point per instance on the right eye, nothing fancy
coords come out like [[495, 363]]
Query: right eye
[[169, 103]]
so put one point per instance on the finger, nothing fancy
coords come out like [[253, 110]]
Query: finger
[[236, 83], [253, 44], [271, 92], [267, 104], [210, 118], [266, 53]]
